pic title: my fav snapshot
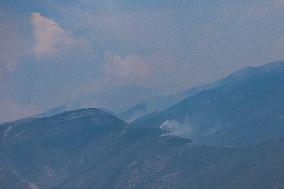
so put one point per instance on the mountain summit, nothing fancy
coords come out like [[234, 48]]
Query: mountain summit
[[245, 108]]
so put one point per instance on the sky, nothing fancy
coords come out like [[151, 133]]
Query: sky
[[54, 51]]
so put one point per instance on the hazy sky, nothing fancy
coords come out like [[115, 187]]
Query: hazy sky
[[52, 51]]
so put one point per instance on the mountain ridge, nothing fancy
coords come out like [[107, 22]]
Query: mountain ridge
[[257, 96], [90, 148], [162, 102]]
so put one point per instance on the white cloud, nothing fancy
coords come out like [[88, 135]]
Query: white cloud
[[49, 36], [131, 66], [120, 70]]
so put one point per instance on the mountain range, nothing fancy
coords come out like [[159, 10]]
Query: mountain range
[[162, 102], [106, 99], [226, 135], [90, 148], [246, 108]]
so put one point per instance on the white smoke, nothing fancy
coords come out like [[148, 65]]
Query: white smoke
[[174, 128]]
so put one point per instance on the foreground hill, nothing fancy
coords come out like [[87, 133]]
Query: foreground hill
[[48, 150], [246, 109], [90, 148], [150, 162], [9, 179]]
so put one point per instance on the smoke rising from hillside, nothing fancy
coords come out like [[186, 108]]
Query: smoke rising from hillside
[[174, 128]]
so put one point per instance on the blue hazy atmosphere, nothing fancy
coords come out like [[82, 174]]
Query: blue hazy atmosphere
[[141, 94], [53, 52]]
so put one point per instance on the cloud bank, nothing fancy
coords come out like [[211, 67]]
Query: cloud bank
[[124, 68], [49, 37], [54, 51]]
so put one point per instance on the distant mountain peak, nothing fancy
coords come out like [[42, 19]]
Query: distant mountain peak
[[84, 112], [93, 113], [241, 109]]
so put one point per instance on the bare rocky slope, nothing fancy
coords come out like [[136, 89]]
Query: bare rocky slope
[[90, 148]]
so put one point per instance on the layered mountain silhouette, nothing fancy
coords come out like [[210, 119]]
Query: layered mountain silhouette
[[227, 135], [162, 102], [90, 148], [106, 99], [246, 108], [158, 103]]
